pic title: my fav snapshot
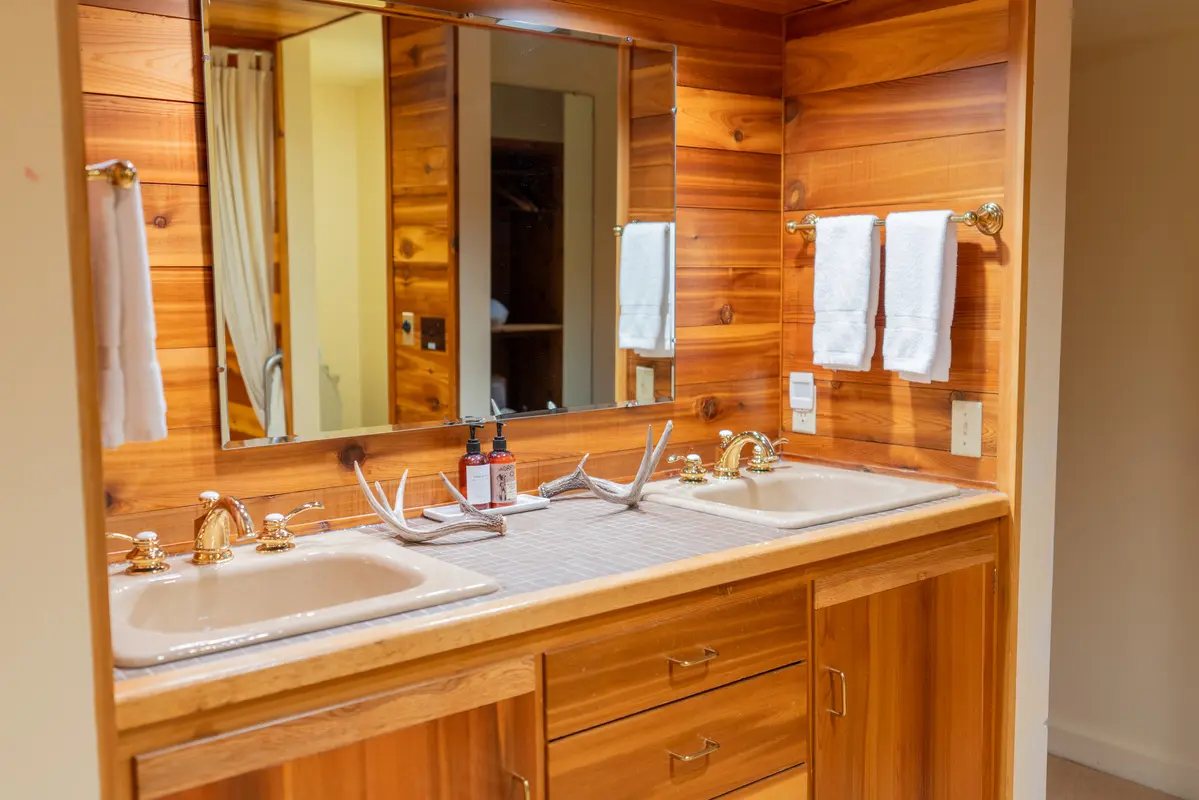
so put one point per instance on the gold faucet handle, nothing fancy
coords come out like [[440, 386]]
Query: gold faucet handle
[[694, 470], [761, 462], [275, 536], [146, 557]]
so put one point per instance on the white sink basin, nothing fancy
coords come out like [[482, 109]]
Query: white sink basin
[[798, 495], [329, 579]]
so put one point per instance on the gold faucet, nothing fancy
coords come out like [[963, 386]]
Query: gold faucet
[[225, 521], [728, 457]]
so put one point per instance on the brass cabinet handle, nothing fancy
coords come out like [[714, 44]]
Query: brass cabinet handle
[[709, 655], [710, 747], [523, 782], [844, 694]]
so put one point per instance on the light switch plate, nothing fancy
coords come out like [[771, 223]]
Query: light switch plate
[[967, 429]]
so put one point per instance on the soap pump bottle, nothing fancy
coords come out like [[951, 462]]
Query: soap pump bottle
[[503, 470], [474, 471]]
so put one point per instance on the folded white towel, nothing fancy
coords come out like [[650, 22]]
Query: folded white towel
[[845, 295], [132, 401], [647, 289], [921, 285]]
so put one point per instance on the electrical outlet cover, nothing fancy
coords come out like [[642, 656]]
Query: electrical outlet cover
[[803, 421], [967, 429]]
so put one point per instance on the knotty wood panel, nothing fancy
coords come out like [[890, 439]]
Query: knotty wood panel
[[732, 221], [743, 296], [725, 121], [898, 105], [184, 9], [954, 37], [178, 232]]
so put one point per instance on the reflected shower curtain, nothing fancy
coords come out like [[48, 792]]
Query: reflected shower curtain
[[242, 177]]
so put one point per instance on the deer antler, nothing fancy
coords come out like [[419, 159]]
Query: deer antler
[[624, 494], [393, 516]]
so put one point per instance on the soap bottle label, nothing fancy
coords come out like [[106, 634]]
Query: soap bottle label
[[478, 485], [503, 484]]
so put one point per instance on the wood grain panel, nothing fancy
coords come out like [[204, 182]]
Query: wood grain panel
[[954, 37], [743, 296], [652, 193], [189, 378], [894, 459], [651, 142], [139, 55], [760, 725], [651, 89], [717, 238], [178, 233], [752, 628], [721, 179], [165, 772], [945, 104], [725, 121], [910, 415], [726, 352], [270, 19], [183, 308], [831, 15], [790, 785], [184, 9], [757, 72], [903, 172], [975, 367], [164, 139]]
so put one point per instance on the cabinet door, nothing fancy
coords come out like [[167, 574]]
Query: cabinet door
[[903, 680]]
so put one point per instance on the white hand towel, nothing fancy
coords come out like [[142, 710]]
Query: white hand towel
[[647, 289], [132, 401], [845, 295], [921, 285]]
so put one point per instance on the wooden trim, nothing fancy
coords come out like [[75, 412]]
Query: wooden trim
[[624, 122], [389, 205], [883, 576], [1021, 20], [71, 99], [188, 766]]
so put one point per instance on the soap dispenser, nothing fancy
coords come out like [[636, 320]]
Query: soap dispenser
[[474, 471], [503, 470]]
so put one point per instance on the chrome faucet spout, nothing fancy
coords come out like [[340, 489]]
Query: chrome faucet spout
[[728, 462], [225, 521]]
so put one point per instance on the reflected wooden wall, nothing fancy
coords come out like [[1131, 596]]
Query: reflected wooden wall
[[143, 87], [420, 98], [897, 107]]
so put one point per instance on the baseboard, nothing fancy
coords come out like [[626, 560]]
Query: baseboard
[[1170, 777]]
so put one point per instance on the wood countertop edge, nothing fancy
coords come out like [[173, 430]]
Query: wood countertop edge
[[251, 676]]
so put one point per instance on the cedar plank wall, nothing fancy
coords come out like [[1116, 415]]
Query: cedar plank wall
[[895, 105], [143, 85], [420, 87]]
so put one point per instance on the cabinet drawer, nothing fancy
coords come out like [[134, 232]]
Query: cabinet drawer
[[789, 785], [749, 730], [680, 649]]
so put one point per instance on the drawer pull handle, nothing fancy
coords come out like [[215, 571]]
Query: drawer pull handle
[[710, 747], [844, 694], [709, 655]]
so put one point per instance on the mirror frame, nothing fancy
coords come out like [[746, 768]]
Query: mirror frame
[[390, 8]]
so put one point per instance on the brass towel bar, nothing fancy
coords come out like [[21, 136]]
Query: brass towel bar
[[118, 173], [988, 219]]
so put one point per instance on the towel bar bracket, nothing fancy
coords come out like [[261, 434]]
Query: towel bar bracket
[[988, 218]]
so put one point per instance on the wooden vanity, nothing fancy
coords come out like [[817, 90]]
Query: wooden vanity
[[858, 662]]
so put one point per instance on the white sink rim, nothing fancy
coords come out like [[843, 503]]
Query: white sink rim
[[136, 647], [911, 493]]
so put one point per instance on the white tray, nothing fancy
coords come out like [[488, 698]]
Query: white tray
[[524, 502]]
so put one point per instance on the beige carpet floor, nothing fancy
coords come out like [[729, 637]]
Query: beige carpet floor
[[1070, 781]]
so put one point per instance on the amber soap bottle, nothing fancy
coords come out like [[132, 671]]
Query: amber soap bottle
[[474, 472], [503, 470]]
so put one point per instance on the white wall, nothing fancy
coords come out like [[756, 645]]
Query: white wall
[[1125, 680], [48, 741], [374, 254]]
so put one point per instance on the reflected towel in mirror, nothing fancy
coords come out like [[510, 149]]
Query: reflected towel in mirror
[[647, 289]]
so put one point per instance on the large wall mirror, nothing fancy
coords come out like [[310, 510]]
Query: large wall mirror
[[420, 218]]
